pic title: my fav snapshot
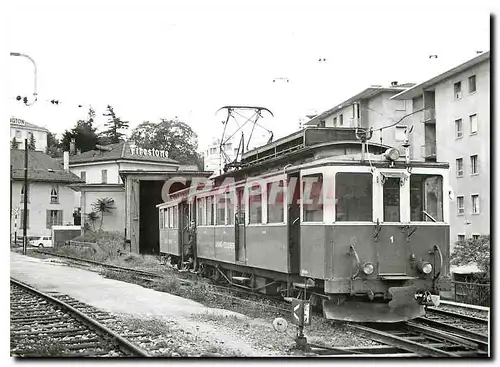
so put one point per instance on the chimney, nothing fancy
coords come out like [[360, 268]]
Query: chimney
[[72, 150], [66, 161], [394, 84]]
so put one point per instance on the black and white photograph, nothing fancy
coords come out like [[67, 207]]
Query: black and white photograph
[[219, 180]]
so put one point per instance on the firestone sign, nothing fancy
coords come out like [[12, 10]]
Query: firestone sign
[[148, 152]]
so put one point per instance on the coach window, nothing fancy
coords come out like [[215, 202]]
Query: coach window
[[275, 201], [161, 218], [221, 210], [174, 216], [353, 197], [255, 204], [391, 199], [210, 211], [312, 198], [229, 208], [426, 198], [201, 212]]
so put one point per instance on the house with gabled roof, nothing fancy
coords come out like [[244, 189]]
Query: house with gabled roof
[[21, 129], [50, 199]]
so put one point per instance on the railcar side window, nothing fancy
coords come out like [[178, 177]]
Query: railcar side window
[[255, 204], [200, 218], [161, 218], [221, 210], [391, 199], [353, 197], [426, 198], [174, 217], [210, 211], [229, 208], [275, 202], [312, 198]]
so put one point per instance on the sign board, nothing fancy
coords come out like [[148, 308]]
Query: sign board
[[16, 121], [148, 152], [301, 312]]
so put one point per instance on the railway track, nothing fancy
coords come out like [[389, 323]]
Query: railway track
[[44, 326], [440, 333]]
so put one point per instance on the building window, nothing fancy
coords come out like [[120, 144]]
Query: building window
[[474, 169], [213, 150], [54, 194], [341, 120], [22, 219], [335, 121], [54, 218], [459, 132], [460, 167], [460, 205], [400, 105], [475, 203], [83, 176], [400, 133], [353, 197], [18, 134], [322, 123], [473, 124], [458, 90], [104, 176], [228, 146], [255, 204], [275, 202], [312, 198], [472, 84], [22, 194], [461, 238], [475, 236]]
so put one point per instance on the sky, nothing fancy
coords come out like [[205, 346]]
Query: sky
[[152, 59]]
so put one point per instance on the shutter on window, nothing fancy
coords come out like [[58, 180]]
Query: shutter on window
[[59, 217], [48, 222]]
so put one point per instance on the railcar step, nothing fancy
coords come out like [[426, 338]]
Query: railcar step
[[241, 279], [397, 277]]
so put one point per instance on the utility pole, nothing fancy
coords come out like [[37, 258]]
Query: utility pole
[[25, 214], [11, 203]]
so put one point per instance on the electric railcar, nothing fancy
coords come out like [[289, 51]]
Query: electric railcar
[[364, 232]]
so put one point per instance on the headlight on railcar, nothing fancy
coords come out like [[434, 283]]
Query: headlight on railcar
[[368, 268], [391, 154], [425, 267]]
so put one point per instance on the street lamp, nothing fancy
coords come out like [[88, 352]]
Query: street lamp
[[35, 94]]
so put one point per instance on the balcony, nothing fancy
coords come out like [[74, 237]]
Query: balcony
[[429, 150], [428, 116]]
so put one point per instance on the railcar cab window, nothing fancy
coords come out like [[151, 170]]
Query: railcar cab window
[[353, 197], [312, 198], [391, 199], [255, 204], [221, 210], [426, 198], [210, 211], [275, 202]]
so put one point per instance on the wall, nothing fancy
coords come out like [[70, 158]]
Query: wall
[[38, 203], [449, 148], [114, 221]]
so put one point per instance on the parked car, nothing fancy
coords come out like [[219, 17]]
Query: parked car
[[42, 241]]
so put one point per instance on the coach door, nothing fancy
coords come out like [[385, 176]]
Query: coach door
[[239, 226], [293, 199]]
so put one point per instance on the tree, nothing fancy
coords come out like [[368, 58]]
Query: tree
[[103, 205], [31, 143], [14, 144], [54, 148], [84, 134], [92, 217], [115, 124], [174, 136], [473, 250]]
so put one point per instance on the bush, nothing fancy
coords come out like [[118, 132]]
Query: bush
[[103, 246], [473, 251]]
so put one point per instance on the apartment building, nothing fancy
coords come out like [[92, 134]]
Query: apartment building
[[453, 119], [373, 108], [214, 160]]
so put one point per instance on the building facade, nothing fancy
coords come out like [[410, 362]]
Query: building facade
[[20, 130], [50, 199], [99, 169], [214, 159], [373, 108], [454, 120]]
